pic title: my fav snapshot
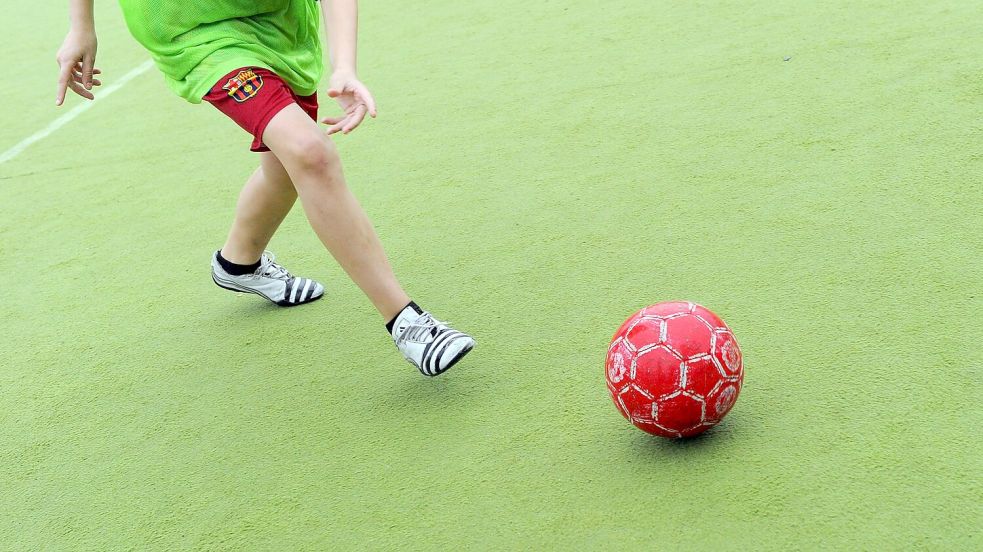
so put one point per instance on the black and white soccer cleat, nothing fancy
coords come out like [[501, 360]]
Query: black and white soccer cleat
[[429, 344], [271, 281]]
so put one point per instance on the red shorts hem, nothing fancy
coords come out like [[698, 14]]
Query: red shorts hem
[[252, 96], [264, 120]]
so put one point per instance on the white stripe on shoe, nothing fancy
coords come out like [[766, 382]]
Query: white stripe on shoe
[[270, 281], [429, 344], [441, 361], [431, 357]]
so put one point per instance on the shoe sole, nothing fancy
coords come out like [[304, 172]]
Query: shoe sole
[[453, 361], [253, 291]]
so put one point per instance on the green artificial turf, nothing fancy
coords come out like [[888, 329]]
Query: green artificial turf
[[538, 171]]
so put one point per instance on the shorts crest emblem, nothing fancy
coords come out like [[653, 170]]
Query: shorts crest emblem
[[244, 85]]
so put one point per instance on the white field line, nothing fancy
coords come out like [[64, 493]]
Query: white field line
[[75, 112]]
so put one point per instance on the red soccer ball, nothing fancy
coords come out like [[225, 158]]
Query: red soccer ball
[[674, 369]]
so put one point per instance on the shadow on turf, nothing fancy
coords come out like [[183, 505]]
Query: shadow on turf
[[649, 444], [419, 391]]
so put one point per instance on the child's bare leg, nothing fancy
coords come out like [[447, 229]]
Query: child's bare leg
[[335, 215], [263, 203]]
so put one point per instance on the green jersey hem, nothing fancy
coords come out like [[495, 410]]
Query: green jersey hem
[[226, 67]]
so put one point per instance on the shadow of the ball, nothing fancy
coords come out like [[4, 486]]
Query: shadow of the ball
[[655, 446]]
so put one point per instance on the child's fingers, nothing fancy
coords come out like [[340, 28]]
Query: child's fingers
[[78, 89], [336, 123], [78, 68], [64, 77], [354, 119], [78, 79], [362, 93], [88, 62], [335, 128]]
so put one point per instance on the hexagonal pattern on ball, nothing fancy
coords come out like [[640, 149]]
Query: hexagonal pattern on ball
[[702, 375], [689, 335], [679, 412], [674, 369], [721, 400], [636, 404], [620, 355], [658, 369], [644, 332], [727, 352], [667, 308]]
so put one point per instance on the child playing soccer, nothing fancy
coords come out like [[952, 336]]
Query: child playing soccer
[[259, 62]]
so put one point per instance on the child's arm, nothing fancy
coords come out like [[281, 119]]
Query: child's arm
[[341, 22], [77, 55]]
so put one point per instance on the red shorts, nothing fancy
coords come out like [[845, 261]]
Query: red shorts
[[251, 96]]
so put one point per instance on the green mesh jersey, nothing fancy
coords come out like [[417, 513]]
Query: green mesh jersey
[[195, 43]]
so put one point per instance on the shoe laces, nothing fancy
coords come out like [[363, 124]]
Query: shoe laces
[[418, 329], [271, 269]]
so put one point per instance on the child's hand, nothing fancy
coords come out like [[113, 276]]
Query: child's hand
[[354, 98], [76, 62]]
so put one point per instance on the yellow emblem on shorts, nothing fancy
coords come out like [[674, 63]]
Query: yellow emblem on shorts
[[243, 86]]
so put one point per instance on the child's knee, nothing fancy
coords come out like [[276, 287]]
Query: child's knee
[[311, 152]]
